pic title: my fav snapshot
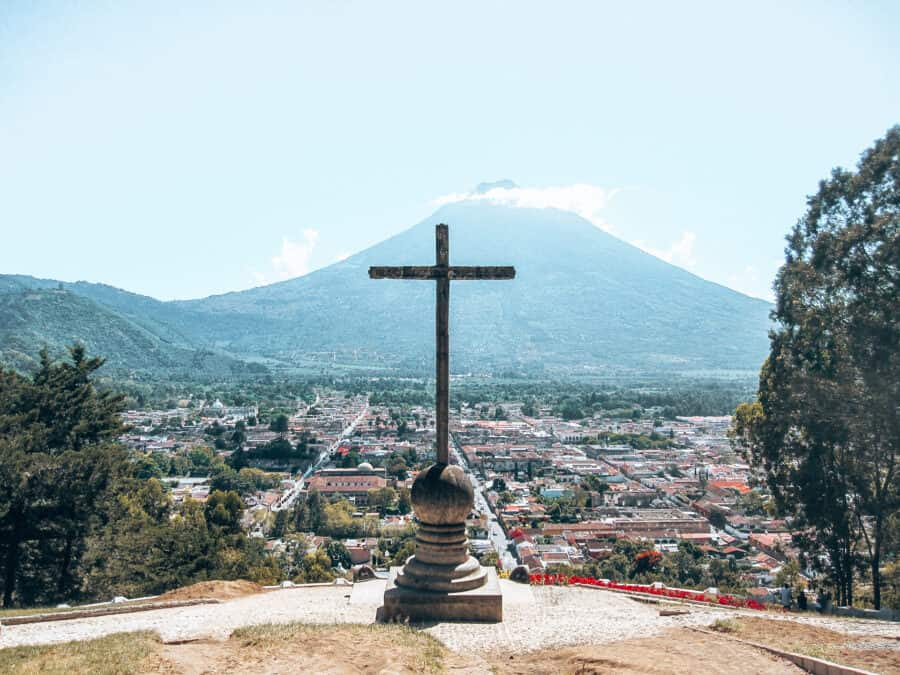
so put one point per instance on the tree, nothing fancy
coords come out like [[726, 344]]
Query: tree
[[717, 519], [280, 426], [397, 467], [825, 426], [404, 501], [406, 550], [223, 478], [224, 510], [382, 499], [571, 411], [56, 466], [339, 555], [315, 567], [529, 408], [279, 527]]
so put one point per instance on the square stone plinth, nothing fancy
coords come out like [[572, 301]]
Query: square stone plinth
[[483, 604]]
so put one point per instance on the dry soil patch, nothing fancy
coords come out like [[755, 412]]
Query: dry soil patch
[[218, 590], [880, 654], [677, 651], [299, 648]]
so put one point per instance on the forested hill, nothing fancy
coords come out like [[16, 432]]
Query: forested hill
[[52, 318], [582, 301]]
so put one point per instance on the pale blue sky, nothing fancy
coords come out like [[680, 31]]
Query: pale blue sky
[[180, 149]]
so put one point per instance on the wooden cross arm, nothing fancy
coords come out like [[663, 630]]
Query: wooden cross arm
[[455, 273]]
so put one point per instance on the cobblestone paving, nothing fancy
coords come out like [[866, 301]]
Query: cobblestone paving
[[534, 618]]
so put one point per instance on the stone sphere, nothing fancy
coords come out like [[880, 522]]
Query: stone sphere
[[442, 495]]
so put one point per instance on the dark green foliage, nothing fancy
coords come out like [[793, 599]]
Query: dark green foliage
[[717, 519], [32, 319], [151, 545], [223, 510], [56, 467], [279, 527], [279, 425], [338, 554], [825, 427], [79, 518]]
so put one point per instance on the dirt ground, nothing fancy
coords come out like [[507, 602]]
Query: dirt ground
[[218, 590], [397, 649], [678, 651], [299, 648], [865, 653], [361, 649]]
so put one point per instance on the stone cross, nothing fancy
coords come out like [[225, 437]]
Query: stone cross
[[443, 274]]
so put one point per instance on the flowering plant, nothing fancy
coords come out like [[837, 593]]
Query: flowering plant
[[676, 593]]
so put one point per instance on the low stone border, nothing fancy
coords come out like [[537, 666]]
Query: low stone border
[[103, 611], [808, 663]]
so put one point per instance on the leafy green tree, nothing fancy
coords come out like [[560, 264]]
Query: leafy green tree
[[224, 478], [406, 549], [529, 408], [279, 527], [56, 466], [382, 499], [224, 510], [238, 459], [314, 568], [316, 509], [145, 467], [717, 519], [825, 426], [280, 426], [397, 467], [571, 411], [338, 554], [404, 501], [351, 460], [202, 458]]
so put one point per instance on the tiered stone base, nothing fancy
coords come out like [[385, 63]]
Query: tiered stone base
[[481, 604], [441, 581], [442, 561]]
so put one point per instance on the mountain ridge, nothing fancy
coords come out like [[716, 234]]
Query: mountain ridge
[[582, 299]]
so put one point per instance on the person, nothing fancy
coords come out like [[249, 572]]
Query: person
[[786, 596], [801, 600]]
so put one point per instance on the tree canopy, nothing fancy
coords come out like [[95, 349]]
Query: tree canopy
[[825, 427]]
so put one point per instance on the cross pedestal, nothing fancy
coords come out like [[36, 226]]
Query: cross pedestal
[[441, 581]]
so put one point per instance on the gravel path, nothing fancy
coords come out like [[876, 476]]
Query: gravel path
[[534, 618], [551, 616], [319, 604]]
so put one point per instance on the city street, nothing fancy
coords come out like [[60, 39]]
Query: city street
[[495, 532]]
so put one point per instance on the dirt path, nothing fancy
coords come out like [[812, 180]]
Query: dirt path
[[677, 651]]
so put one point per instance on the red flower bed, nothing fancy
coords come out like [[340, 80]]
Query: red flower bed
[[677, 593]]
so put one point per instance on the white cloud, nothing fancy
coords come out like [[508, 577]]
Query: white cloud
[[680, 253], [588, 201], [292, 261]]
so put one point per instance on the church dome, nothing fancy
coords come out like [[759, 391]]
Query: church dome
[[365, 466]]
